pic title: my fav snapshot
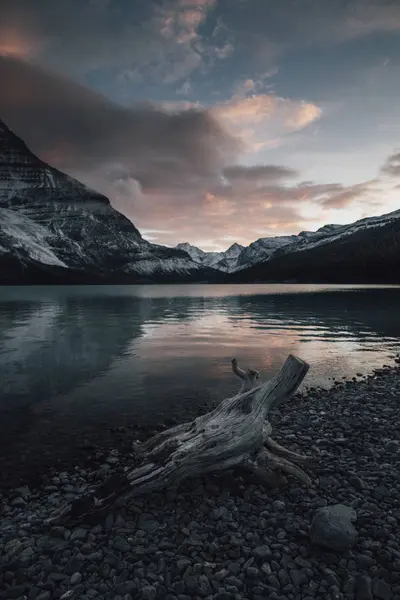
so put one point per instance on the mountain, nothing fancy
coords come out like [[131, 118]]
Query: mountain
[[367, 251], [55, 229], [223, 261], [262, 249]]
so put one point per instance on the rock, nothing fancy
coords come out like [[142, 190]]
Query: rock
[[332, 527], [149, 593], [363, 589], [147, 523], [12, 547], [221, 513], [297, 577], [23, 491], [109, 521], [274, 581], [78, 534], [393, 445], [223, 596], [26, 556], [183, 563], [357, 483], [15, 591], [119, 522], [262, 552], [381, 589], [252, 572], [75, 578], [46, 595], [121, 544], [18, 502]]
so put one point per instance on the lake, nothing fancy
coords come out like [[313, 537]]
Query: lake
[[78, 360]]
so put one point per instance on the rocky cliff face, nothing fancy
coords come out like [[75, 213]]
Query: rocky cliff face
[[48, 218]]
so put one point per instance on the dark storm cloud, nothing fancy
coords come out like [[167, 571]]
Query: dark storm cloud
[[78, 129]]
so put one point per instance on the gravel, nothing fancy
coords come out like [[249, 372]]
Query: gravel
[[225, 537]]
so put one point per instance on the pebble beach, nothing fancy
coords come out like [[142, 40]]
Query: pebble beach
[[226, 537]]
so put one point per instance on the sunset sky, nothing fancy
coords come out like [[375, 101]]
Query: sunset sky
[[212, 121]]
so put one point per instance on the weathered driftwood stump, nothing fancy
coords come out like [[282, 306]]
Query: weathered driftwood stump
[[235, 434]]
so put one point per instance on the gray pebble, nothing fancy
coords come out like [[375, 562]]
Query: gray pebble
[[75, 578], [363, 589], [149, 593], [381, 589]]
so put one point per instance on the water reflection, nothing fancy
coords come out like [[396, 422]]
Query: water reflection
[[73, 360]]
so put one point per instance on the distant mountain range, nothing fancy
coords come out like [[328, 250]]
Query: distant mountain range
[[365, 251], [53, 229]]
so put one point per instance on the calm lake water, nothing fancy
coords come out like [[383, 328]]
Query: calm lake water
[[77, 359]]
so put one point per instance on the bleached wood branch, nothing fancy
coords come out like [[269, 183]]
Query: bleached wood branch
[[235, 434]]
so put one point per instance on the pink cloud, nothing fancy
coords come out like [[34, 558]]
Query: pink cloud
[[261, 119]]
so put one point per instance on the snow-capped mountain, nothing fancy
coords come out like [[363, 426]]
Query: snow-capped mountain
[[52, 224], [365, 251], [248, 262], [223, 261], [262, 249], [55, 229]]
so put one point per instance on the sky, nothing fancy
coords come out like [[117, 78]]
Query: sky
[[212, 121]]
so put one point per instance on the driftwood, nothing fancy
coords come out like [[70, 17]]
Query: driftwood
[[236, 434]]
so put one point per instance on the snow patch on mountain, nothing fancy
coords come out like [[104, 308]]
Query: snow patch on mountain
[[237, 257], [262, 249], [19, 232], [331, 233], [162, 266]]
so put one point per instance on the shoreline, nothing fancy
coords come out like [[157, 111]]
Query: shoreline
[[225, 537], [35, 463]]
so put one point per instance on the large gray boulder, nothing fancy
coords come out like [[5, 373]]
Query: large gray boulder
[[332, 527]]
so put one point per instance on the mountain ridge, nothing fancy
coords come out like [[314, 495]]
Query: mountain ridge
[[54, 229], [270, 248], [52, 221]]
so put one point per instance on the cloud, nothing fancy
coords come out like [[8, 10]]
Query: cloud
[[325, 195], [157, 40], [224, 51], [365, 17], [326, 22], [245, 210], [250, 87], [168, 40], [392, 165], [55, 112], [260, 119], [185, 88], [258, 173], [348, 194], [174, 168], [266, 30]]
